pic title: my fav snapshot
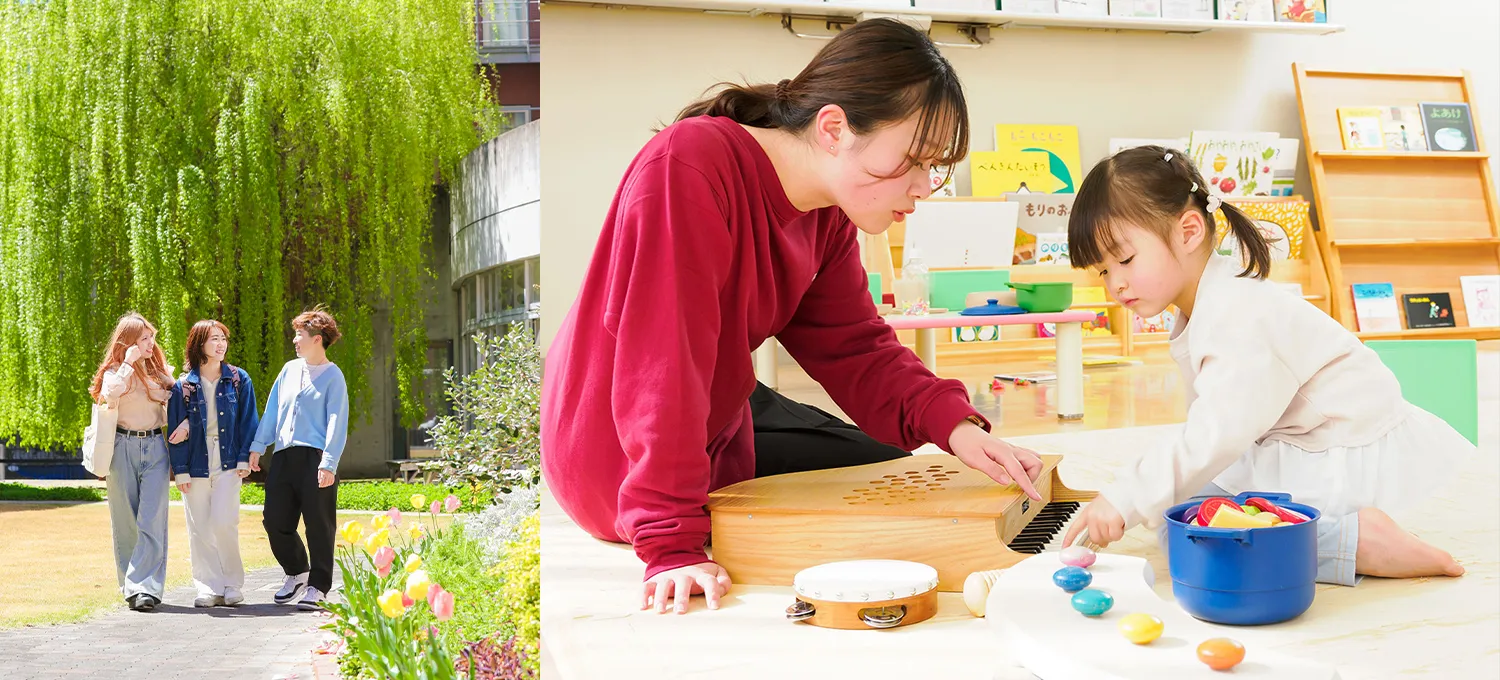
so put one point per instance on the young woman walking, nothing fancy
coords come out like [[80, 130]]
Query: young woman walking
[[215, 401], [306, 420], [135, 380]]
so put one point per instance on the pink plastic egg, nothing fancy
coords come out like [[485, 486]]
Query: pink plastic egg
[[1078, 556]]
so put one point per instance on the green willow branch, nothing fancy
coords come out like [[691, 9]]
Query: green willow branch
[[236, 160]]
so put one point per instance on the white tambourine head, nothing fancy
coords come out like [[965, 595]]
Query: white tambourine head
[[865, 580]]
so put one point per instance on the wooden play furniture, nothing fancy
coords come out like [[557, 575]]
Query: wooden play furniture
[[933, 510], [1418, 220]]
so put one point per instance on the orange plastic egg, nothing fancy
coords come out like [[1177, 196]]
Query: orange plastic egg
[[1221, 654]]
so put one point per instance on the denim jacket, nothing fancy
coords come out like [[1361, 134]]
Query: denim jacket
[[237, 419]]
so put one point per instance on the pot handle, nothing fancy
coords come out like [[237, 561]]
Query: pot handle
[[1273, 497], [1238, 535], [1020, 286]]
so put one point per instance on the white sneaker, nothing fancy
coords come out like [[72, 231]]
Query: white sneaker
[[312, 601], [294, 588], [232, 596], [208, 600]]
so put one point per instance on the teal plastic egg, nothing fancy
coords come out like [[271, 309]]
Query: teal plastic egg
[[1092, 602], [1072, 579]]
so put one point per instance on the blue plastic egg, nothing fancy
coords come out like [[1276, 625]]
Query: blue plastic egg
[[1072, 579], [1092, 602]]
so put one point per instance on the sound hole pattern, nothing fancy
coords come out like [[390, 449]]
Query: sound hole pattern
[[896, 489]]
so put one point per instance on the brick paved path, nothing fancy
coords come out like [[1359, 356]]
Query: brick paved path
[[257, 640]]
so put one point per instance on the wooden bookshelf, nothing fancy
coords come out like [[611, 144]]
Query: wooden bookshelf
[[1417, 220]]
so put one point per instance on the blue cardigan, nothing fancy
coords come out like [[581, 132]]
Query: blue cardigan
[[322, 414], [237, 419]]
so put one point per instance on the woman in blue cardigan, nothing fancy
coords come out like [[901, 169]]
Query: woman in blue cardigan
[[306, 418], [213, 416]]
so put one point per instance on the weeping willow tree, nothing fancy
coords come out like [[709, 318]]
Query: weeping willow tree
[[233, 159]]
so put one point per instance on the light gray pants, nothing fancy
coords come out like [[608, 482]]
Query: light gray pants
[[137, 483], [1338, 538]]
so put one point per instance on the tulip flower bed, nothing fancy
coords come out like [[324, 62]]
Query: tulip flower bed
[[423, 602]]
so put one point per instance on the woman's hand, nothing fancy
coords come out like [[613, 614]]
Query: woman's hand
[[133, 354], [325, 479], [255, 461], [1003, 462], [1104, 522], [682, 583], [180, 434]]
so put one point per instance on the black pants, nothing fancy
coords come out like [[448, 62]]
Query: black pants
[[291, 493], [794, 437]]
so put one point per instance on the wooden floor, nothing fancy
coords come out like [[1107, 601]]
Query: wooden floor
[[1148, 393]]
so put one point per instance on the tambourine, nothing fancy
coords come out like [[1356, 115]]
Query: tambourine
[[862, 594]]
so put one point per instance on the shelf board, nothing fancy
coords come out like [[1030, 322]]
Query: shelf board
[[1412, 242], [1389, 155], [992, 18], [1458, 333]]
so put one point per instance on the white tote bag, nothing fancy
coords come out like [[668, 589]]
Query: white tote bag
[[99, 440]]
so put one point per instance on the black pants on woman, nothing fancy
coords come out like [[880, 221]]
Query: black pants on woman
[[795, 437], [292, 493]]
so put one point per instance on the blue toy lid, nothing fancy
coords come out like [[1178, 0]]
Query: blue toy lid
[[994, 308]]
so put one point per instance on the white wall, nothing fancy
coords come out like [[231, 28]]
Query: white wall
[[610, 75]]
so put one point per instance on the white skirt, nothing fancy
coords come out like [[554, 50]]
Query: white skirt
[[1407, 466]]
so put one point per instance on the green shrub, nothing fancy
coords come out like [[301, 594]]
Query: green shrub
[[24, 492]]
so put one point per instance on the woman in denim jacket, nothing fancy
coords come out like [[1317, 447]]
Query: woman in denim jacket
[[213, 416]]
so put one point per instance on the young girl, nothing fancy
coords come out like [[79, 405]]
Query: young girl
[[215, 402], [1281, 397], [736, 224], [307, 419], [135, 379]]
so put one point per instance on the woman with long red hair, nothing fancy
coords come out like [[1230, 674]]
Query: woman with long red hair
[[135, 380]]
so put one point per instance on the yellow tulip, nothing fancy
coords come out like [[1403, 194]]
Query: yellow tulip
[[391, 603], [418, 502], [352, 531], [415, 531], [417, 584], [377, 540], [380, 521], [414, 562]]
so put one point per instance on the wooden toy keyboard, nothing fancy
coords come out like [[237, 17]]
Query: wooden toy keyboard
[[930, 509]]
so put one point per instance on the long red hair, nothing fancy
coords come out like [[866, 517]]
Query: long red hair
[[128, 331]]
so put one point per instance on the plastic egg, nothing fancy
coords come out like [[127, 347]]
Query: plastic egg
[[1221, 654], [1092, 602], [1141, 629], [1072, 579], [1078, 556]]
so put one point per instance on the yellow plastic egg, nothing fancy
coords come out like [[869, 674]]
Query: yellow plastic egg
[[1141, 629]]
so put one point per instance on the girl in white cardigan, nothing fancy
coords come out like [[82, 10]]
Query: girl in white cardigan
[[1281, 398]]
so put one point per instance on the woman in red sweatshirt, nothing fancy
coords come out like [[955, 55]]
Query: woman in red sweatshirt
[[733, 225]]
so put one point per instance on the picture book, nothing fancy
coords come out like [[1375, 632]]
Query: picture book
[[1034, 376], [1056, 144], [1247, 10], [1135, 8], [961, 233], [1482, 300], [1038, 214], [1052, 248], [1092, 8], [1402, 127], [1428, 310], [1284, 166], [1193, 10], [1360, 128], [1118, 144], [1235, 163], [1302, 11], [942, 182], [1029, 6], [1160, 323], [1082, 296], [1375, 307], [1283, 223], [997, 173], [1449, 126]]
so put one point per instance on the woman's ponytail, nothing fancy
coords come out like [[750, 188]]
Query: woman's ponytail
[[753, 105]]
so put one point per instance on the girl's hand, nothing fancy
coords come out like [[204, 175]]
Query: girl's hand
[[182, 487], [180, 434], [133, 354], [255, 461], [1003, 462], [242, 472], [682, 583], [1103, 521]]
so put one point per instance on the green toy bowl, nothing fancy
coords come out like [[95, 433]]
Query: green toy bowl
[[1043, 297]]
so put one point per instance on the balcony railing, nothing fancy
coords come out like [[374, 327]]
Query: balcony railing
[[509, 30]]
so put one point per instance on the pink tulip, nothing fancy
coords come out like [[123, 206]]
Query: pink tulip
[[432, 593], [406, 600], [442, 606], [451, 503], [383, 571], [384, 557], [395, 516], [437, 507]]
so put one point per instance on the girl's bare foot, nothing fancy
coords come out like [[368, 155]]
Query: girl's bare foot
[[1388, 551]]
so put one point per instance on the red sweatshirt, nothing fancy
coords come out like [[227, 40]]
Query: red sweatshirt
[[702, 257]]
